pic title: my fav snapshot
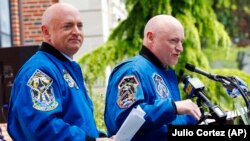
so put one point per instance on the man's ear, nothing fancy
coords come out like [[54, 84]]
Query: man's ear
[[149, 36], [45, 32]]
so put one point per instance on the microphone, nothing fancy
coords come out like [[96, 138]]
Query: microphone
[[228, 82], [194, 88], [234, 91], [200, 71], [214, 77]]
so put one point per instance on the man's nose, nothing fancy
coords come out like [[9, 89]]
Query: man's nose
[[76, 30], [179, 47]]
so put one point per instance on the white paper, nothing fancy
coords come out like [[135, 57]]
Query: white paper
[[131, 125]]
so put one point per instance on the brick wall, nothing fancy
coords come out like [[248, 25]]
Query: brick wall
[[15, 23], [26, 20]]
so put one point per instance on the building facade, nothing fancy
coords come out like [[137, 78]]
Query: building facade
[[20, 21]]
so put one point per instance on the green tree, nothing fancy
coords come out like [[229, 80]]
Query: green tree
[[235, 15]]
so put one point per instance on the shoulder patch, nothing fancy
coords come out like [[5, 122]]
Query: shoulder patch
[[160, 86], [71, 82], [127, 89], [42, 91]]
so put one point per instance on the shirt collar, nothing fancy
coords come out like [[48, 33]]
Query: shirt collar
[[66, 56]]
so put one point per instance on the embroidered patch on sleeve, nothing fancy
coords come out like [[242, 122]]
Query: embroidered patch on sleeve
[[160, 86], [42, 91], [127, 89], [71, 82]]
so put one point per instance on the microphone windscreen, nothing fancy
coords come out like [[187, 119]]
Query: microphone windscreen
[[185, 78], [190, 67]]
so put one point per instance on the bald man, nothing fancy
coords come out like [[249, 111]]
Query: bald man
[[146, 81], [49, 100]]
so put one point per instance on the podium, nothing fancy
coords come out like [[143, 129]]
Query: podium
[[241, 116]]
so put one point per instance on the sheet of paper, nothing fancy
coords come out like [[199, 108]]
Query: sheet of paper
[[131, 125]]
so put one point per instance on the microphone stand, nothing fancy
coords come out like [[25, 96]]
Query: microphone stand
[[244, 95], [219, 120]]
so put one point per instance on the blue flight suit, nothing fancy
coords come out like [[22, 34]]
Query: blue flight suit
[[49, 100], [143, 81]]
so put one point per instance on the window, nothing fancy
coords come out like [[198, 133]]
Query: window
[[5, 30]]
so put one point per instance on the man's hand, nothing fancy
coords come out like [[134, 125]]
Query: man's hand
[[188, 107]]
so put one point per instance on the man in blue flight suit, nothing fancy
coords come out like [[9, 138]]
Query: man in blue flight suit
[[49, 100], [146, 80]]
